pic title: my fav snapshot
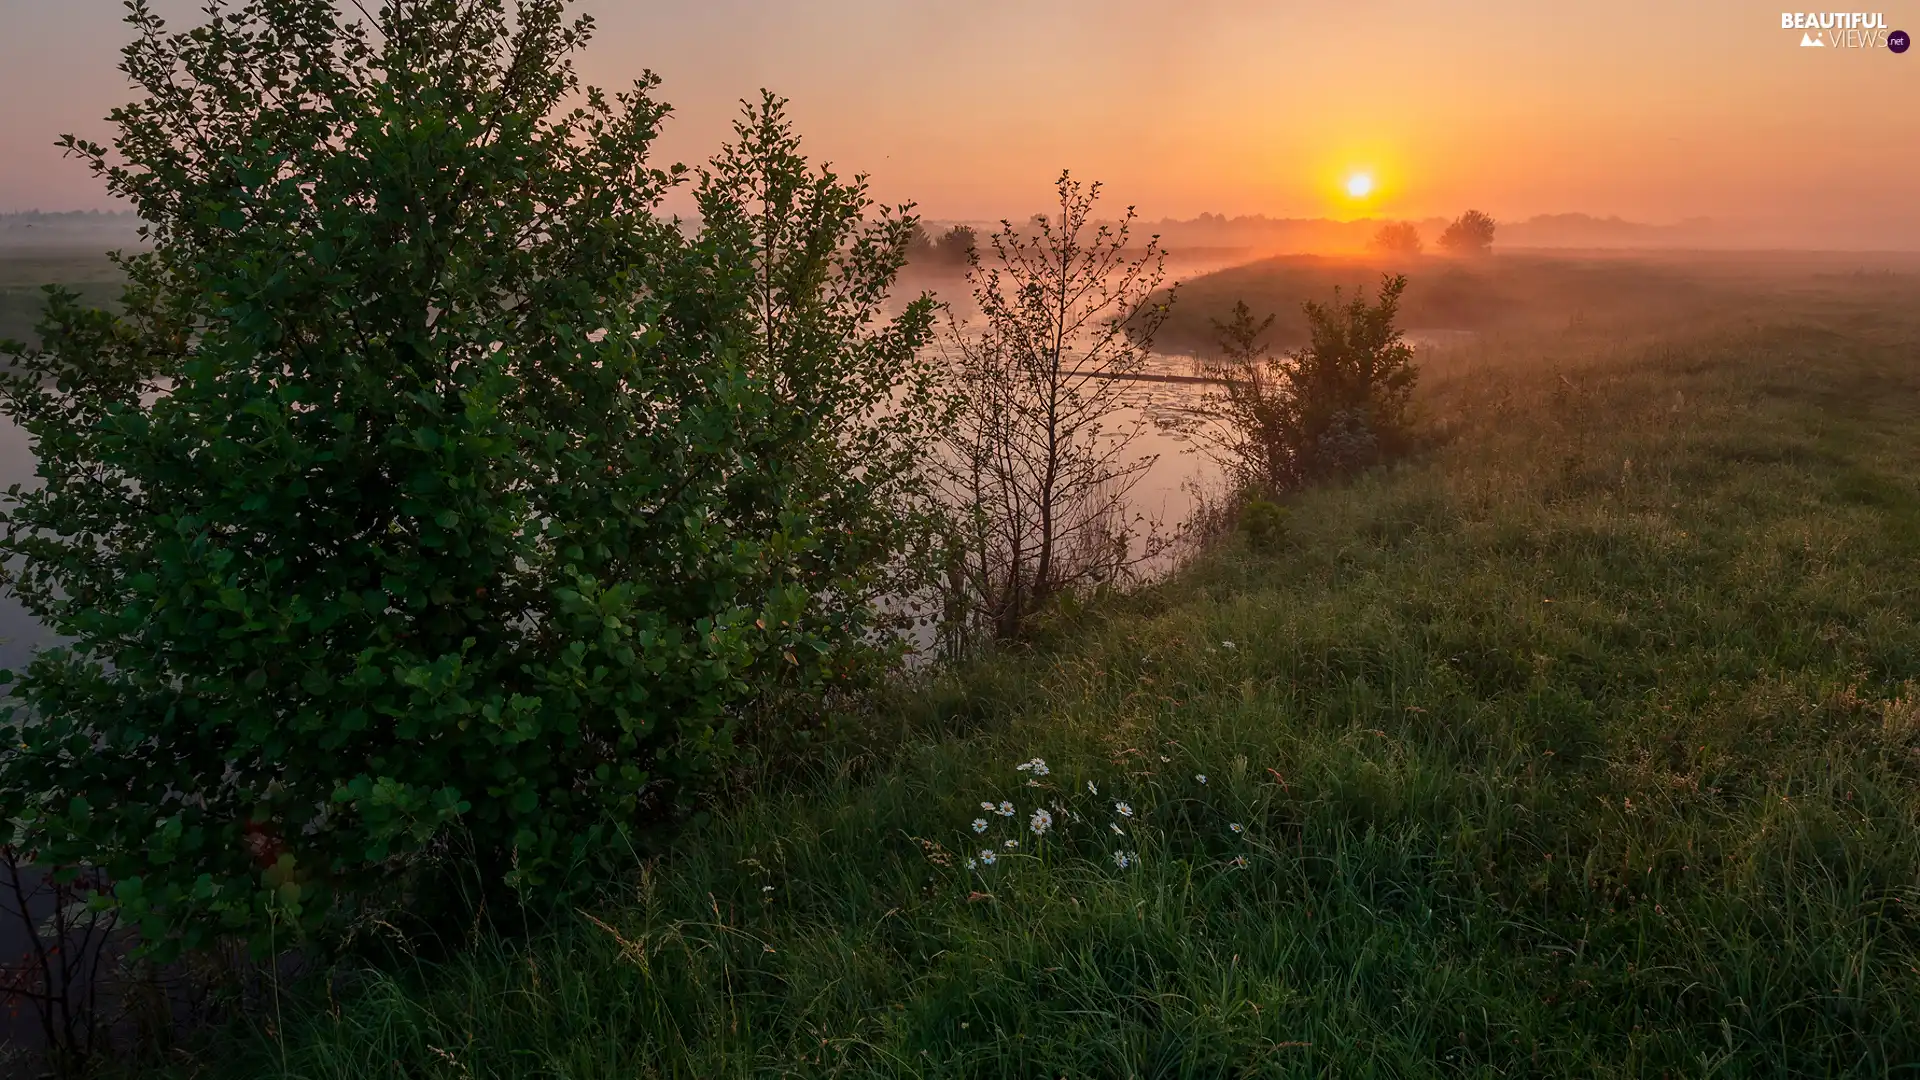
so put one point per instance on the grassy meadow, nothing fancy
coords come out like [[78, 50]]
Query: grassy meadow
[[25, 270], [1585, 745], [1528, 293]]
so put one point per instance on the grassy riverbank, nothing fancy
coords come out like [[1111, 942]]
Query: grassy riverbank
[[1588, 745]]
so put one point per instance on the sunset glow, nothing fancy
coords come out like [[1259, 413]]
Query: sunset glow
[[1515, 108]]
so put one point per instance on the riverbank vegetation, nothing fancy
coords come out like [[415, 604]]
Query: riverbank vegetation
[[1583, 746]]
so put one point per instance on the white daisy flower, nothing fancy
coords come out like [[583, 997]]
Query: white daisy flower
[[987, 857], [1005, 809], [973, 864], [1237, 827], [1091, 789], [1123, 809], [979, 824], [1202, 777], [1011, 845], [987, 806], [1042, 821], [1117, 830], [1122, 860]]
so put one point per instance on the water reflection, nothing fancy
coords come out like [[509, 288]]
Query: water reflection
[[20, 634]]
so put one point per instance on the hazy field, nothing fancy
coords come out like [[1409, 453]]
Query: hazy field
[[1533, 292], [1587, 744], [25, 269]]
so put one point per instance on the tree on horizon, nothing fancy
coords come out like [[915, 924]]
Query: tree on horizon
[[1470, 234]]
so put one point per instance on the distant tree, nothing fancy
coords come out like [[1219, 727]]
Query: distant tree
[[919, 245], [433, 490], [957, 245], [1037, 449], [1470, 234], [1397, 238]]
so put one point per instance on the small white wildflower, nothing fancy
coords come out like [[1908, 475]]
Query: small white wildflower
[[1005, 809], [766, 888], [1023, 766], [1164, 759], [1237, 827], [1039, 767], [1202, 777], [987, 857], [987, 806], [1228, 645], [1091, 789], [1240, 861], [1123, 809], [1011, 845], [979, 824], [973, 864], [1117, 830], [1042, 821], [1122, 860]]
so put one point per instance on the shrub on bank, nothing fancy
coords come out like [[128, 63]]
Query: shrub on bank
[[435, 490]]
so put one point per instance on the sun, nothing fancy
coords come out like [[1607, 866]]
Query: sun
[[1359, 185]]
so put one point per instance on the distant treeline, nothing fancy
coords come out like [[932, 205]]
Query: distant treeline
[[1270, 235]]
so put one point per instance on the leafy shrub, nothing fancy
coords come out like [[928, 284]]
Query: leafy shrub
[[434, 485], [1333, 407], [1264, 522]]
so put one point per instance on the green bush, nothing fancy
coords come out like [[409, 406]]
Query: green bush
[[1265, 523], [1331, 408], [434, 486]]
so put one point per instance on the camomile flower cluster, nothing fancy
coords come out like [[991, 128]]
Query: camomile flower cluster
[[1061, 821], [1049, 820]]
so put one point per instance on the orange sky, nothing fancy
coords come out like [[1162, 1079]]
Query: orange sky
[[1653, 111]]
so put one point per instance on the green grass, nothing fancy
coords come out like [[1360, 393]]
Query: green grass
[[1588, 745], [1530, 291], [23, 272]]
